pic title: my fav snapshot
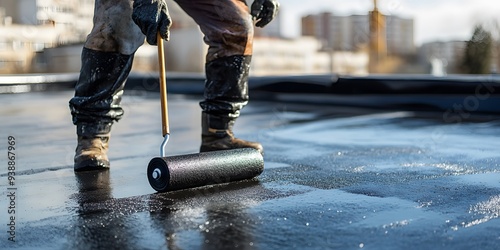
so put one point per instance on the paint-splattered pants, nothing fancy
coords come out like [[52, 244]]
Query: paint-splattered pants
[[109, 50]]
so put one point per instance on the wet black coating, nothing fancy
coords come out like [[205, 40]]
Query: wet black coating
[[335, 177], [195, 170]]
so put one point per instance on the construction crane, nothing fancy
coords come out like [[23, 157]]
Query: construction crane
[[378, 40]]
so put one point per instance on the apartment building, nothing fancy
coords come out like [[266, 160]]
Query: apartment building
[[352, 33], [48, 35]]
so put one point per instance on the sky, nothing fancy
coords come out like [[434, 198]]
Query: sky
[[435, 20]]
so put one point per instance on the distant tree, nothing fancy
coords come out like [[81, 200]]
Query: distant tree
[[477, 56]]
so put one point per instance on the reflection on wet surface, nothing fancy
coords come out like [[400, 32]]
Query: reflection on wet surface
[[334, 177]]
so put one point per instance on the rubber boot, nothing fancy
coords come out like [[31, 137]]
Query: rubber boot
[[91, 153], [217, 134], [96, 105]]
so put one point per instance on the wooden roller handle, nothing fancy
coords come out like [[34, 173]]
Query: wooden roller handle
[[163, 86]]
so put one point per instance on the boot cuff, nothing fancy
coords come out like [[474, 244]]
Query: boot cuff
[[93, 129], [217, 122]]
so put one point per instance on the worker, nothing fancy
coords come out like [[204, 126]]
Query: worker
[[120, 27]]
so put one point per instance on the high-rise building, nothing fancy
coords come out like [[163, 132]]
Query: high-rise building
[[357, 28], [181, 20], [320, 27], [309, 24], [400, 35], [48, 35], [352, 33]]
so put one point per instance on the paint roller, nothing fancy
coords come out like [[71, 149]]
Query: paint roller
[[201, 169]]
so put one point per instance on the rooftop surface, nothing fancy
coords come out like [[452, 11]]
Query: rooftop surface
[[335, 177]]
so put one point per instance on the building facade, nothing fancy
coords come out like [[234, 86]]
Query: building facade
[[352, 33], [400, 35], [31, 26], [48, 35], [73, 15]]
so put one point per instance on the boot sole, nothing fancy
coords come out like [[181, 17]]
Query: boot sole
[[90, 165]]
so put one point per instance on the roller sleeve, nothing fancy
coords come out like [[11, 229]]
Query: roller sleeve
[[195, 170]]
